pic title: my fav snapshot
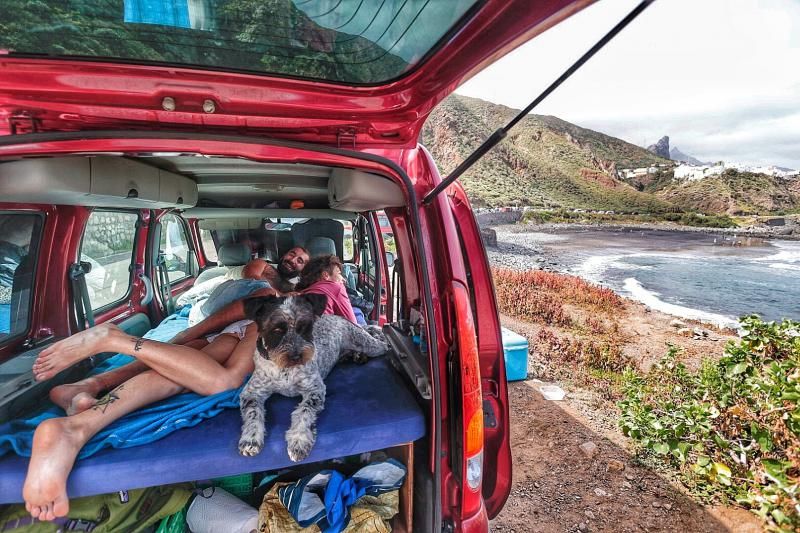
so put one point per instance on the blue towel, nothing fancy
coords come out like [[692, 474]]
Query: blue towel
[[140, 427]]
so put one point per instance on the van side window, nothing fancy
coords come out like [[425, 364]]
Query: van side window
[[19, 238], [175, 247], [107, 245], [209, 248], [349, 256]]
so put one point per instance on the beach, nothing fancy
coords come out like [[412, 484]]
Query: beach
[[712, 278]]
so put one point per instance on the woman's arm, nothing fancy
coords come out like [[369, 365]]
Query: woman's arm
[[221, 319]]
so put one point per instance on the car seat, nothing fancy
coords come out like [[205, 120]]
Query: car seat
[[229, 255], [276, 243], [302, 233], [319, 246]]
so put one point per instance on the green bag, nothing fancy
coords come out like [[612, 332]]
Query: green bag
[[130, 511]]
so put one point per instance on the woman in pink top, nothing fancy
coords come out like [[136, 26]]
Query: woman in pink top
[[323, 275]]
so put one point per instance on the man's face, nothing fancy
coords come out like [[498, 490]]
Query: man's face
[[293, 263]]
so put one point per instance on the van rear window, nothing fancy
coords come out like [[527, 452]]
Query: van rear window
[[349, 41], [19, 237]]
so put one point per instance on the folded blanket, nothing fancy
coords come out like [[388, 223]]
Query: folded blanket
[[140, 427]]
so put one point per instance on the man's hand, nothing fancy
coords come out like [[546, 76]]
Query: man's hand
[[184, 336], [258, 269]]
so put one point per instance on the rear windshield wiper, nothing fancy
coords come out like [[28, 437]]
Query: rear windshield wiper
[[500, 134]]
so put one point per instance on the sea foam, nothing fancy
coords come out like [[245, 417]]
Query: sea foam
[[651, 300]]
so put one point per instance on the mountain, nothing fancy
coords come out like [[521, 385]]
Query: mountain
[[734, 193], [677, 155], [548, 162], [661, 148], [544, 161]]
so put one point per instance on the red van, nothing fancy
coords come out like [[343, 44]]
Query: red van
[[147, 146]]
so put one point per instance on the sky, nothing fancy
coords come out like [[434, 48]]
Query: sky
[[720, 77]]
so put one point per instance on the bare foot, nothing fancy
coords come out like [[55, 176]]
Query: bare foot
[[69, 351], [76, 397], [55, 446]]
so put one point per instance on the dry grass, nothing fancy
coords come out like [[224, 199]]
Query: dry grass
[[541, 296], [584, 341], [603, 354]]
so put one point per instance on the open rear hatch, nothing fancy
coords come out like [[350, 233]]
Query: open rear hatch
[[345, 73]]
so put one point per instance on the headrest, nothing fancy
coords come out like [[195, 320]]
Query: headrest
[[319, 246], [233, 254], [303, 232]]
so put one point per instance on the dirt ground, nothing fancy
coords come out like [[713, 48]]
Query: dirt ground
[[558, 488]]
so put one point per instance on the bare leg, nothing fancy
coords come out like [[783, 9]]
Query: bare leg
[[77, 397], [190, 367], [57, 441], [69, 351]]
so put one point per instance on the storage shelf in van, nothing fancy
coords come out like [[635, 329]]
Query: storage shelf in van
[[99, 181]]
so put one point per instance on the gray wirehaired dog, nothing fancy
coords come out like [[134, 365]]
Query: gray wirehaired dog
[[296, 349]]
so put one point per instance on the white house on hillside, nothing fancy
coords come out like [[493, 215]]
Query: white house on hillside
[[694, 173]]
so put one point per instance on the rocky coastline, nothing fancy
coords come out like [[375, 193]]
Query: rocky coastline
[[521, 246], [789, 232]]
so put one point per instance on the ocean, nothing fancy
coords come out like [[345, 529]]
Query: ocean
[[713, 278]]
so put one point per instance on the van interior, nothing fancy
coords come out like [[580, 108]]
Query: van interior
[[139, 233]]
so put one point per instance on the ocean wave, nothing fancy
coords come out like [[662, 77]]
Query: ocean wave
[[594, 268], [789, 253], [784, 266], [651, 300]]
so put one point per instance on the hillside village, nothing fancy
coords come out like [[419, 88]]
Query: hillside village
[[686, 167]]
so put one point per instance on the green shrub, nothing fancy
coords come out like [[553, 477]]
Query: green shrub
[[733, 427]]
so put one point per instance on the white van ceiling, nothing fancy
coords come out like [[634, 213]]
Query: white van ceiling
[[242, 183], [186, 180]]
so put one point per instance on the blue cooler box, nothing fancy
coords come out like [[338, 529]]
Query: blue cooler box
[[515, 351]]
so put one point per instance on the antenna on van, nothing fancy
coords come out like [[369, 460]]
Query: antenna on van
[[500, 134]]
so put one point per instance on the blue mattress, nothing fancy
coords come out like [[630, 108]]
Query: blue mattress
[[367, 408]]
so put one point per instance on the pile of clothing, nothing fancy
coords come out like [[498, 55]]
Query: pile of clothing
[[326, 501]]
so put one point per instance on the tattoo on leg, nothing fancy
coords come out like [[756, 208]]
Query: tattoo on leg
[[104, 402], [138, 342]]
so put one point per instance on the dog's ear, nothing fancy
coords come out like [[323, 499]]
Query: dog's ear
[[259, 308], [318, 302]]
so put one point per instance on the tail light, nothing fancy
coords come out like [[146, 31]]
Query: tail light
[[471, 404]]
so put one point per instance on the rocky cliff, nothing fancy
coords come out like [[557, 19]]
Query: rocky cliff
[[661, 148]]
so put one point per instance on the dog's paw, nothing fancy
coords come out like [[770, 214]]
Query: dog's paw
[[250, 448], [359, 358], [299, 444], [376, 332]]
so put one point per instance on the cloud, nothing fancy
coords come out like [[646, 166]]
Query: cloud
[[761, 133], [719, 78]]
